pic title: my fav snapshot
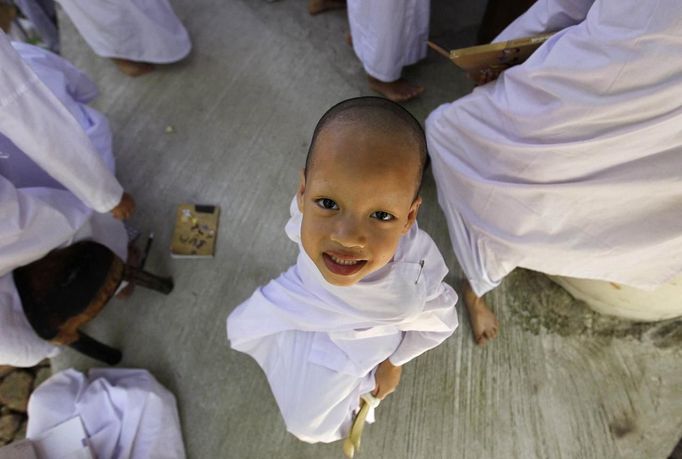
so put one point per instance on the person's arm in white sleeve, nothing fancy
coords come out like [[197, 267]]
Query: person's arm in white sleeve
[[39, 124], [546, 16], [440, 316]]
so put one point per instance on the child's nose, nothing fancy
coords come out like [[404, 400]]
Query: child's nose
[[349, 233]]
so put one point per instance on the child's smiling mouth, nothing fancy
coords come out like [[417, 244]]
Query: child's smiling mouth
[[344, 266]]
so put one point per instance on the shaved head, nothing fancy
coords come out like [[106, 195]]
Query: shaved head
[[381, 116]]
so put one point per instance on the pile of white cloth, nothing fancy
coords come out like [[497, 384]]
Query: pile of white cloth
[[126, 413]]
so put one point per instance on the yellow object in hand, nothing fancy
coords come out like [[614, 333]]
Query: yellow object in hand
[[352, 443]]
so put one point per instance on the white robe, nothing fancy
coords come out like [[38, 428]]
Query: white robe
[[56, 166], [319, 344], [569, 164], [137, 30], [126, 413], [389, 34]]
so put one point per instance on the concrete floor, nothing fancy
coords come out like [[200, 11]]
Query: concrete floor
[[560, 382]]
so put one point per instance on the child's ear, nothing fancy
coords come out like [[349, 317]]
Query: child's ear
[[412, 216], [301, 190]]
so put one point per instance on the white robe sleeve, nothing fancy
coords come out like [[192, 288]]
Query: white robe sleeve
[[39, 125], [546, 16], [440, 316]]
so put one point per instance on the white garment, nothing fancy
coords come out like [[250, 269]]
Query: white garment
[[319, 344], [49, 120], [389, 34], [126, 413], [569, 164], [137, 30]]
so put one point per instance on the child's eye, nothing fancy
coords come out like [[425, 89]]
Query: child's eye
[[383, 216], [327, 203]]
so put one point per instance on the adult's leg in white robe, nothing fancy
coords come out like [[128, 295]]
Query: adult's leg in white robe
[[568, 164], [389, 34], [317, 403], [136, 30], [126, 413]]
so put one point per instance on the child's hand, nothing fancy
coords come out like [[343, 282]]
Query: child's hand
[[387, 379]]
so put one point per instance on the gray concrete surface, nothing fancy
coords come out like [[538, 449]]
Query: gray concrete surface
[[559, 382]]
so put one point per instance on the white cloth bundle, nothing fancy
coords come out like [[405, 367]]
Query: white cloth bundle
[[126, 413]]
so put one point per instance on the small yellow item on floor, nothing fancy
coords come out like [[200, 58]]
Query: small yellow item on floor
[[196, 231], [352, 444]]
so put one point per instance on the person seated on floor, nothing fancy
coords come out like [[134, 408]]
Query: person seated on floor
[[569, 164], [135, 35], [366, 294], [56, 187]]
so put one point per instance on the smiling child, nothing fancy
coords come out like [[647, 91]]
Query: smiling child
[[366, 294]]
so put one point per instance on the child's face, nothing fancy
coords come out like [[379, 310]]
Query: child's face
[[357, 201]]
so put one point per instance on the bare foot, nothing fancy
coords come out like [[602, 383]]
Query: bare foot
[[320, 6], [132, 68], [483, 321], [133, 260], [398, 91]]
